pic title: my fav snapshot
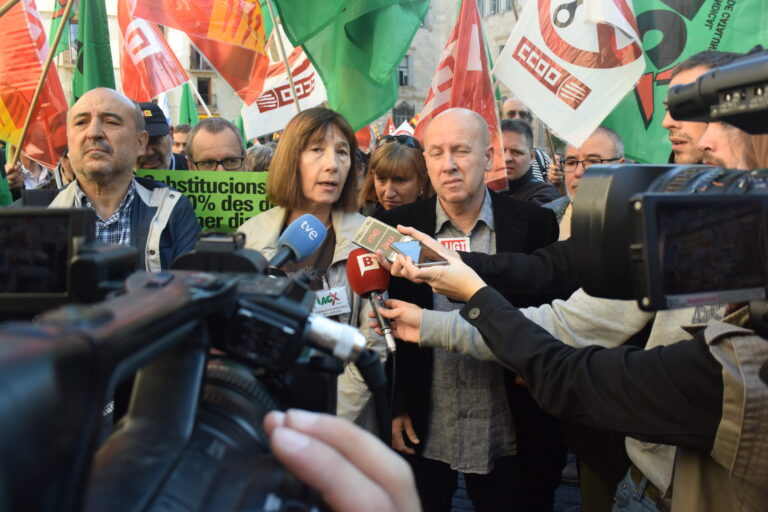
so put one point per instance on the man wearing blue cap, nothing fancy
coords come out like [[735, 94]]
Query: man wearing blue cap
[[158, 153]]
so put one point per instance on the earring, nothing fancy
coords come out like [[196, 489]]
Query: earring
[[421, 192]]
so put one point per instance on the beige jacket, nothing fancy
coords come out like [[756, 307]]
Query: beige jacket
[[261, 234]]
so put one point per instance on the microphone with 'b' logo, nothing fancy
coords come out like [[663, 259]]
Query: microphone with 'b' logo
[[368, 279]]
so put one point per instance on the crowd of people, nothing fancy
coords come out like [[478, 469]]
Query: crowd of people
[[495, 383]]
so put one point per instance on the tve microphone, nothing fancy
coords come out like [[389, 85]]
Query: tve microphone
[[368, 279], [301, 238]]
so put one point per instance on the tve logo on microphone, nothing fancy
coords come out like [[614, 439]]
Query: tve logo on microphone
[[367, 262], [311, 231]]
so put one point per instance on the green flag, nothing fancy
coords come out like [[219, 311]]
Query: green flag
[[672, 31], [267, 19], [5, 191], [241, 126], [94, 56], [356, 47], [187, 108], [56, 19]]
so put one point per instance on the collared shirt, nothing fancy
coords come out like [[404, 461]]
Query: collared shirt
[[32, 182], [116, 230], [470, 423]]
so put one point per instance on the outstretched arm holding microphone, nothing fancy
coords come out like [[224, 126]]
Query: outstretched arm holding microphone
[[616, 389]]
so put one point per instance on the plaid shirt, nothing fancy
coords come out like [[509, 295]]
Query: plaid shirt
[[116, 230]]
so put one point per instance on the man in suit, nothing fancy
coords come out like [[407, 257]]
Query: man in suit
[[459, 414]]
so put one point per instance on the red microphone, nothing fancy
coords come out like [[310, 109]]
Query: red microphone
[[368, 279]]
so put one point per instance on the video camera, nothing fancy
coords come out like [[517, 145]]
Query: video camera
[[697, 234], [213, 352]]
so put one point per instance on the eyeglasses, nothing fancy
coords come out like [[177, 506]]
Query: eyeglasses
[[405, 140], [229, 164], [571, 165], [522, 114]]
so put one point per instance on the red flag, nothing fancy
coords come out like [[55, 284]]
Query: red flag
[[463, 80], [389, 129], [148, 66], [364, 138], [22, 54], [243, 69], [235, 22]]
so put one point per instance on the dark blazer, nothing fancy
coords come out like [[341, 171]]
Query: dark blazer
[[520, 227]]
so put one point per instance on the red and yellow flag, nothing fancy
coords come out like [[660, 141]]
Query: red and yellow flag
[[22, 55], [148, 67], [243, 69], [235, 22]]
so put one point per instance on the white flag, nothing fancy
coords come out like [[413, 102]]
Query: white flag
[[571, 63], [404, 129], [275, 106]]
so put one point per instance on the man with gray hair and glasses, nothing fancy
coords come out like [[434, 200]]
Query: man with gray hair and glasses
[[215, 144]]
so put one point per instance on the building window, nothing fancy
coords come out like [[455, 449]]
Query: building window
[[197, 61], [509, 4], [204, 88], [493, 7], [404, 72], [402, 113], [481, 7]]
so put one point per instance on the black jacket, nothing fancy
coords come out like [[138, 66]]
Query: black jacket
[[520, 227]]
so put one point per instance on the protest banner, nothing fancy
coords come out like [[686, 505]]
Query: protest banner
[[672, 31], [222, 200]]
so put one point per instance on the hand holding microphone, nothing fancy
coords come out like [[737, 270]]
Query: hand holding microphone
[[368, 279]]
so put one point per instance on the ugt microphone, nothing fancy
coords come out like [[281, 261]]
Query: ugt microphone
[[301, 238], [368, 279]]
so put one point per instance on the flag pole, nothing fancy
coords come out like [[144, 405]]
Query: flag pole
[[281, 50], [514, 10], [200, 98], [551, 144], [8, 6], [41, 82]]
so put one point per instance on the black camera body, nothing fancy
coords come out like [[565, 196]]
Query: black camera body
[[674, 236], [212, 353], [48, 257]]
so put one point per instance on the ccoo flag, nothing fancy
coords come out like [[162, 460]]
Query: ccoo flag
[[681, 29], [463, 80], [21, 65], [572, 63], [148, 66], [275, 106]]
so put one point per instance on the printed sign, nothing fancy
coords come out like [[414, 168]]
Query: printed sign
[[222, 200]]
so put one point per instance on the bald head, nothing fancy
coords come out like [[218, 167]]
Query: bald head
[[473, 122], [458, 153], [105, 135], [515, 109], [103, 94]]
